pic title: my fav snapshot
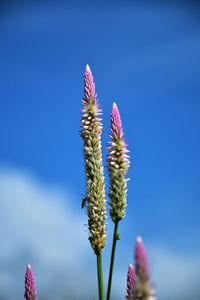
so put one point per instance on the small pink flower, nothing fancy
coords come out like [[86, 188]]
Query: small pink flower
[[90, 104], [118, 149], [30, 289], [145, 290], [131, 281], [141, 263]]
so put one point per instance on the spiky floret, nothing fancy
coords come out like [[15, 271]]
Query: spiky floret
[[91, 134], [131, 281], [145, 290], [30, 289], [118, 164]]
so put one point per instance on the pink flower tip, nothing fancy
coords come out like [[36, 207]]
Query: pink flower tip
[[89, 90], [30, 289], [116, 124]]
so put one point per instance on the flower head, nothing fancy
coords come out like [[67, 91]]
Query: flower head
[[141, 263], [30, 289], [145, 291], [118, 164], [91, 134], [131, 281]]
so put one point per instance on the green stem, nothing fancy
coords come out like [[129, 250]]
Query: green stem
[[112, 260], [100, 276]]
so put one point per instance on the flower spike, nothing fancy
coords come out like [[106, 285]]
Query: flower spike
[[91, 134], [30, 289], [131, 281], [144, 289], [118, 164], [141, 263]]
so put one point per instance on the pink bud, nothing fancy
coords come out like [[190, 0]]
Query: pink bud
[[131, 280], [141, 263], [30, 289], [89, 87]]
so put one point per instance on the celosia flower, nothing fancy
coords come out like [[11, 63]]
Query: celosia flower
[[141, 263], [118, 164], [144, 289], [131, 281], [91, 134], [30, 289]]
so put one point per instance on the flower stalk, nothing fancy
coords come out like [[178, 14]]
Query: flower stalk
[[115, 238], [100, 276]]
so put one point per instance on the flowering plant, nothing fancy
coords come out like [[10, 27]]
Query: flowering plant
[[118, 163]]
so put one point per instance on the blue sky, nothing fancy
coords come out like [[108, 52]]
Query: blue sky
[[146, 58]]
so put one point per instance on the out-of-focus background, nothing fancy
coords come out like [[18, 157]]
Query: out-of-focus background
[[145, 55]]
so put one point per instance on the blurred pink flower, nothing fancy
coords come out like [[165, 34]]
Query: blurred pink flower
[[131, 281], [30, 289], [141, 263]]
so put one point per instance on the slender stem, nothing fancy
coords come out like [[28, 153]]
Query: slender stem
[[100, 277], [112, 260]]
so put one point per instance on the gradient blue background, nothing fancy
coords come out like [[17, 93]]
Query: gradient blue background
[[145, 56]]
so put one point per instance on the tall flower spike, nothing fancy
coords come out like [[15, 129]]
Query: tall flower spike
[[144, 289], [131, 281], [30, 289], [91, 134], [118, 164]]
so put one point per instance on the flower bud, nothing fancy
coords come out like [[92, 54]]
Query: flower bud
[[30, 289], [131, 281]]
